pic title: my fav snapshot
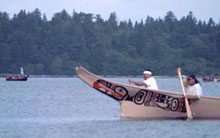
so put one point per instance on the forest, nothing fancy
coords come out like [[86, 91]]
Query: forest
[[107, 47]]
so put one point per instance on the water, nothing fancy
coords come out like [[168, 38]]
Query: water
[[69, 108]]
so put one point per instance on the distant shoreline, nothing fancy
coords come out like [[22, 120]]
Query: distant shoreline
[[75, 76], [40, 76]]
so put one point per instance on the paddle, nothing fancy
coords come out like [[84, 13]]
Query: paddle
[[188, 110]]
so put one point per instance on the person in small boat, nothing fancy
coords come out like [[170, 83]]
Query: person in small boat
[[194, 89], [149, 80]]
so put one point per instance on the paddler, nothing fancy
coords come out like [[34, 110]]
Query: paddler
[[194, 89], [149, 81]]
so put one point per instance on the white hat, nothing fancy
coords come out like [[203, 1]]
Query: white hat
[[147, 72]]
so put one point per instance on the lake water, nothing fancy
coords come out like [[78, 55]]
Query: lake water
[[69, 108]]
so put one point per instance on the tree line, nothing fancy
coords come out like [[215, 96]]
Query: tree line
[[107, 47]]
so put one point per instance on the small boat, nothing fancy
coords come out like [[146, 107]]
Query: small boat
[[143, 103], [211, 79], [22, 77]]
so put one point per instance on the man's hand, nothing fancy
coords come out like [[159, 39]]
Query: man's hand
[[130, 81]]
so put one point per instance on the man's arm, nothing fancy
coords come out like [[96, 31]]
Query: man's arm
[[137, 83]]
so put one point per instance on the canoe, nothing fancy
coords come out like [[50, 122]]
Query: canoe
[[211, 79], [16, 78], [21, 77], [143, 103]]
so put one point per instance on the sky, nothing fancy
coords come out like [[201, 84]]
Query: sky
[[124, 9]]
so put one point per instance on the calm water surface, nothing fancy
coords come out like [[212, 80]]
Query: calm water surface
[[69, 108]]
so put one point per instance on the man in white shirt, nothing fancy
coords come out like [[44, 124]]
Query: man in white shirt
[[149, 81]]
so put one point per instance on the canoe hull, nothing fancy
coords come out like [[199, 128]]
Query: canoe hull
[[138, 102], [16, 78], [202, 109], [132, 110]]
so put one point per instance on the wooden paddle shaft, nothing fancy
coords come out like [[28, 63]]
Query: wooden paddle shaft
[[188, 110]]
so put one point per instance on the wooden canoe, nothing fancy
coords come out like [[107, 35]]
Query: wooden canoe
[[16, 78], [143, 103]]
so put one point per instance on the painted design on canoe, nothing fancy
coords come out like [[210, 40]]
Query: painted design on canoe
[[116, 92], [166, 102], [148, 98]]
